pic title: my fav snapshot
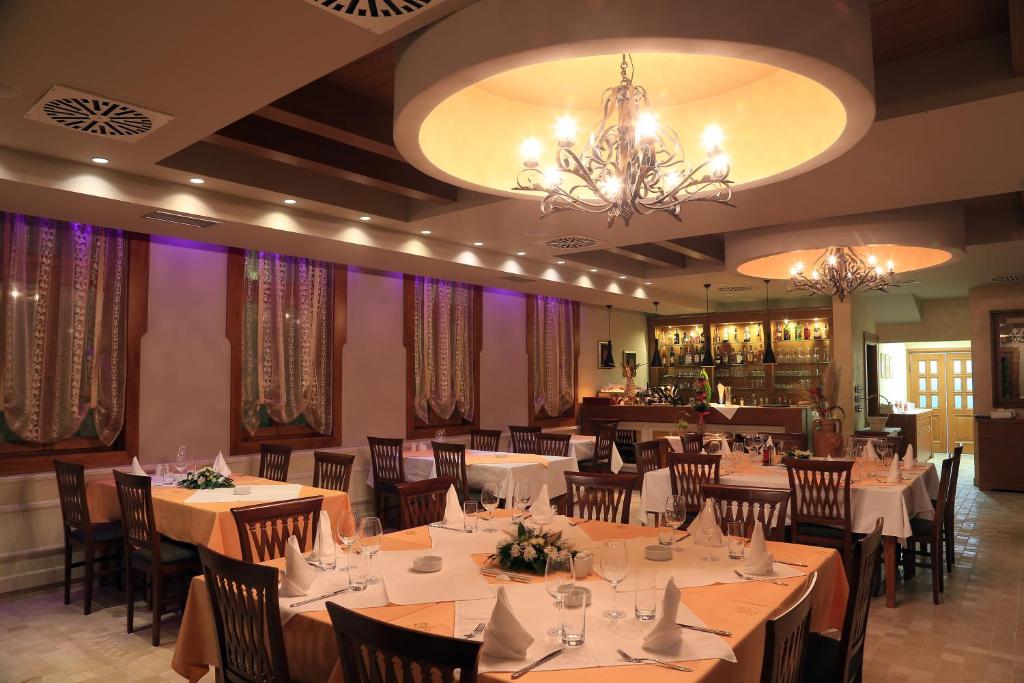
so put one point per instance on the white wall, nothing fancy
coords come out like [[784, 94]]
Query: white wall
[[895, 388], [629, 333]]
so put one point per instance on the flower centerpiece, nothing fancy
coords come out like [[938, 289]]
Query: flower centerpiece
[[700, 403], [800, 454], [527, 550], [206, 478]]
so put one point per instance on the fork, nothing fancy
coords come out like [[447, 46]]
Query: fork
[[648, 660], [475, 632], [758, 578]]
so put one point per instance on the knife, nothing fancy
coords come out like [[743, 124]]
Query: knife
[[543, 660], [705, 629], [441, 525], [321, 597], [791, 564]]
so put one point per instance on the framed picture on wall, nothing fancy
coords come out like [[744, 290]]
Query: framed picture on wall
[[628, 358], [604, 350], [884, 366]]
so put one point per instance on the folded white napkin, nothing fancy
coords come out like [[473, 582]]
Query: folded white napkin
[[894, 476], [298, 575], [725, 446], [323, 544], [705, 525], [869, 450], [759, 561], [453, 515], [769, 443], [909, 459], [505, 637], [721, 393], [137, 468], [541, 509], [220, 465], [666, 634]]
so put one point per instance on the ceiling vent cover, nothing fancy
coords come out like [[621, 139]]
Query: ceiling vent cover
[[95, 114], [516, 278], [571, 242], [1013, 277], [376, 15], [735, 288], [180, 218]]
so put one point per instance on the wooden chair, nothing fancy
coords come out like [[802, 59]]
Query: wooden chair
[[484, 439], [372, 651], [264, 528], [388, 465], [928, 538], [244, 599], [948, 527], [821, 504], [787, 443], [688, 472], [650, 456], [749, 505], [274, 461], [81, 532], [604, 442], [625, 441], [450, 461], [692, 443], [785, 640], [159, 559], [524, 439], [423, 502], [555, 444], [597, 422], [599, 496], [841, 661], [332, 470]]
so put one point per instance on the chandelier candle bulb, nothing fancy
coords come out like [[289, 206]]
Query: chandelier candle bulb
[[530, 151]]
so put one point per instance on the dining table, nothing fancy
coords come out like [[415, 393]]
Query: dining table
[[460, 597], [871, 497], [204, 517]]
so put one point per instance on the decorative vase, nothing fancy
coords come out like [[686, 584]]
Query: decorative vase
[[828, 437], [629, 390]]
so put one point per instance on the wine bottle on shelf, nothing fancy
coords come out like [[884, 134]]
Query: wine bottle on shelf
[[746, 334], [757, 331], [807, 330], [825, 336], [817, 331], [675, 338], [785, 333], [778, 332], [735, 333], [672, 357], [689, 356]]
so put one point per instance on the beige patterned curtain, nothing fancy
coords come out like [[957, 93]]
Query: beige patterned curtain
[[553, 339], [287, 340], [443, 354], [65, 328]]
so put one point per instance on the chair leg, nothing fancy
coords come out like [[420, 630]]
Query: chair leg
[[67, 572], [950, 556], [89, 577], [936, 574], [158, 605], [939, 547], [129, 589]]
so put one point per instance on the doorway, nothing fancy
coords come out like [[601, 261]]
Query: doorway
[[943, 381]]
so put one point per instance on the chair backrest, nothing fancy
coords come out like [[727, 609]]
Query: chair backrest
[[555, 444], [484, 439], [855, 623], [692, 443], [524, 439], [332, 470], [604, 442], [958, 451], [942, 499], [599, 496], [247, 616], [450, 461], [625, 437], [650, 456], [821, 492], [71, 487], [688, 472], [787, 443], [597, 422], [274, 461], [749, 505], [422, 502], [372, 651], [785, 640], [264, 528], [135, 497], [386, 460]]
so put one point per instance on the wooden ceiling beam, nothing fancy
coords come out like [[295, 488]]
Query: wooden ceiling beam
[[706, 248], [654, 254]]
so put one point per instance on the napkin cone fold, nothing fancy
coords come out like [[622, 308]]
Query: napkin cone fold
[[323, 543], [298, 575], [505, 637], [665, 634], [759, 561], [453, 515], [894, 476], [137, 468], [909, 458], [705, 525], [541, 509], [869, 451], [220, 465]]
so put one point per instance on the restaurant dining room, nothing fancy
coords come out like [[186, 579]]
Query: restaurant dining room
[[445, 341]]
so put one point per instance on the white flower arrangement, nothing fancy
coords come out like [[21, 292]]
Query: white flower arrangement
[[527, 550]]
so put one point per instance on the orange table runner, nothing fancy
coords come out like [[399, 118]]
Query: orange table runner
[[490, 458], [209, 524]]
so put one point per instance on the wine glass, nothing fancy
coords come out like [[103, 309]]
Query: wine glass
[[370, 536], [675, 515], [347, 529], [181, 461], [614, 569], [522, 494], [748, 443], [489, 499], [559, 579], [709, 529], [883, 450]]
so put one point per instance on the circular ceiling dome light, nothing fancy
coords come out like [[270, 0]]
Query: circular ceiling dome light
[[790, 85]]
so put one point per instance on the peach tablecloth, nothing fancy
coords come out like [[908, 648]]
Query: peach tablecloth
[[742, 608], [209, 524]]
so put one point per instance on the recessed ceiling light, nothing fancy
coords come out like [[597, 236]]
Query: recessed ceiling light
[[100, 160], [520, 253], [478, 244], [290, 201], [196, 181], [622, 277], [364, 218], [424, 232], [648, 283], [560, 262], [593, 270]]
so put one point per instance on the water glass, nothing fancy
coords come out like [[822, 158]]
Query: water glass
[[489, 499], [646, 597], [358, 563], [160, 479], [667, 530], [559, 579], [522, 493], [471, 515], [736, 532], [573, 613], [370, 535]]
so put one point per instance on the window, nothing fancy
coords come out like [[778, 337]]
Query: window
[[553, 351], [286, 326], [442, 341], [73, 313]]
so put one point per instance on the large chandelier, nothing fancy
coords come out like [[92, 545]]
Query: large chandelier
[[840, 271], [631, 164]]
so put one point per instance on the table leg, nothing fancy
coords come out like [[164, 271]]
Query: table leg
[[890, 570]]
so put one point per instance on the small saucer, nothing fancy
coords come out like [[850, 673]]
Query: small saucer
[[427, 564], [658, 553]]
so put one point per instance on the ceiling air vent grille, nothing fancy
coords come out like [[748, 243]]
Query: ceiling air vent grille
[[516, 278], [1012, 277], [180, 219], [95, 114], [735, 288], [571, 242]]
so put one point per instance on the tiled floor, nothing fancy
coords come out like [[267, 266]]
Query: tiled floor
[[976, 635]]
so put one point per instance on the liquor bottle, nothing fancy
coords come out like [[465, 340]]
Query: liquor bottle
[[689, 356], [785, 333], [717, 339], [778, 332], [737, 357], [746, 334], [672, 357], [817, 331], [675, 338], [807, 330], [757, 331], [825, 336], [735, 333], [664, 356]]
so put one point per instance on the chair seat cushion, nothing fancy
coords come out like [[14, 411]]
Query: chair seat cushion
[[821, 530], [104, 532], [920, 525], [823, 661], [170, 552]]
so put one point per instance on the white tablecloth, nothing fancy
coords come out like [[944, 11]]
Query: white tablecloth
[[895, 503], [676, 443], [258, 493], [582, 448]]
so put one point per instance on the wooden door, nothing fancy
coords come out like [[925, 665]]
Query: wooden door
[[960, 399], [926, 387]]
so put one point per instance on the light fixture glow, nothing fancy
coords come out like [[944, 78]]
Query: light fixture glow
[[646, 127], [100, 160], [622, 277], [840, 271], [565, 130], [560, 262], [593, 270], [552, 176], [648, 283], [290, 201], [530, 150], [478, 244], [712, 138], [424, 232], [196, 181], [364, 218], [520, 253]]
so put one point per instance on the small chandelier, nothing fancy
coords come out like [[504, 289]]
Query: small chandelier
[[840, 271], [632, 164]]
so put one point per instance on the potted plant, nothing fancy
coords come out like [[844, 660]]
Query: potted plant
[[828, 428]]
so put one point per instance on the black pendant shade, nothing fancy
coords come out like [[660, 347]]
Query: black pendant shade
[[708, 361], [608, 359], [656, 354], [769, 354]]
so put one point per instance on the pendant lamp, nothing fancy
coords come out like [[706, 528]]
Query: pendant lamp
[[708, 361], [769, 354], [656, 355], [608, 359]]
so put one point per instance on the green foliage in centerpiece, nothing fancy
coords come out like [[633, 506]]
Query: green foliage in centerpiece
[[527, 549], [800, 455], [206, 478]]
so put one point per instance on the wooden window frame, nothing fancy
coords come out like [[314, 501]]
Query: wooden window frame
[[89, 451], [569, 417], [298, 437], [414, 428]]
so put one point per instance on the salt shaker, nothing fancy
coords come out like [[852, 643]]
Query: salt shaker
[[583, 564]]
